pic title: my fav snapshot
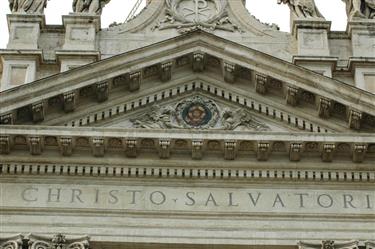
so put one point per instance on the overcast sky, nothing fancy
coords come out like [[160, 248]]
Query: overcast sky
[[117, 10]]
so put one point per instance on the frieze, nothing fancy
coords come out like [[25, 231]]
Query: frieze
[[153, 198]]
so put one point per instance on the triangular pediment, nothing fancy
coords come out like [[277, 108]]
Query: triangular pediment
[[196, 61]]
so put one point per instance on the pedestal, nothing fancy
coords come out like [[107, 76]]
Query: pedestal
[[24, 30], [362, 37], [311, 36], [80, 32], [312, 43], [363, 46], [80, 47], [19, 67]]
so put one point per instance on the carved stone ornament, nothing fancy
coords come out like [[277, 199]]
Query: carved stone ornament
[[59, 241], [198, 113], [11, 242], [188, 15], [329, 244], [370, 244]]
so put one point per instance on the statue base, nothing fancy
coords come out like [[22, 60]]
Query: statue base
[[80, 31], [361, 33], [311, 36], [24, 30], [80, 41], [363, 45]]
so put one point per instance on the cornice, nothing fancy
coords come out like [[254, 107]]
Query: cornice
[[356, 104], [227, 145]]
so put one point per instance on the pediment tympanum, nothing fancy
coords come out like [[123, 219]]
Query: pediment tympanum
[[197, 112]]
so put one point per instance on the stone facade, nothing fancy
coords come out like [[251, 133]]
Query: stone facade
[[191, 125]]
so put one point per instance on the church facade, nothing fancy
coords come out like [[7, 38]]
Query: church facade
[[191, 125]]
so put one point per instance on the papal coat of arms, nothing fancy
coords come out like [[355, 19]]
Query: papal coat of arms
[[188, 15]]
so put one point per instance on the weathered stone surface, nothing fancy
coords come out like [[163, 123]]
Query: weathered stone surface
[[191, 124]]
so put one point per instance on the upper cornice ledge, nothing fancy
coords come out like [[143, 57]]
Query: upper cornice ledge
[[182, 45]]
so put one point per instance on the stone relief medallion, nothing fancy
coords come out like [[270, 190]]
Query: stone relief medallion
[[188, 15], [197, 113]]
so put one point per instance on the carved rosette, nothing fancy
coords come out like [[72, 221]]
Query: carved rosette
[[197, 113], [189, 15]]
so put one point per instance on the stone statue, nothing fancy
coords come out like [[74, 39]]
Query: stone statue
[[360, 9], [28, 6], [94, 7], [303, 8]]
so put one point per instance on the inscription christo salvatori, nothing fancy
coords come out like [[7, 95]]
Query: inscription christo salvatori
[[189, 199]]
